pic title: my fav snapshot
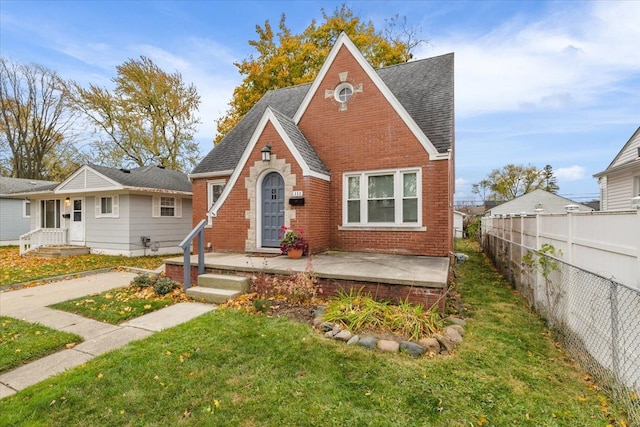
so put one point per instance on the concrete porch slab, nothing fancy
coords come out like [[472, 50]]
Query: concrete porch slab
[[408, 270]]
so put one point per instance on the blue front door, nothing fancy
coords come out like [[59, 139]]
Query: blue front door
[[272, 209]]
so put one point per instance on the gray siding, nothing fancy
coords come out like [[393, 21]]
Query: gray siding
[[135, 220], [165, 231], [107, 233], [12, 224]]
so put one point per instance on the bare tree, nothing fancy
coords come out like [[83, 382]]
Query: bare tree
[[36, 121]]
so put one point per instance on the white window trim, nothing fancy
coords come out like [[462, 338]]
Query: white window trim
[[156, 211], [115, 208], [24, 208], [210, 184], [398, 197]]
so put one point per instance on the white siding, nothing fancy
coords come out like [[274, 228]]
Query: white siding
[[629, 152], [620, 190]]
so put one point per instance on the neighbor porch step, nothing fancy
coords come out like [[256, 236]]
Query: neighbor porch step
[[59, 251], [219, 288]]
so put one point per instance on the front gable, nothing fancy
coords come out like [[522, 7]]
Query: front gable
[[629, 153], [87, 179], [346, 68]]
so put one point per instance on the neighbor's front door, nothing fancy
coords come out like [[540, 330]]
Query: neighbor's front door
[[272, 209], [76, 227]]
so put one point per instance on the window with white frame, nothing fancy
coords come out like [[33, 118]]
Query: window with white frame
[[107, 207], [382, 198], [214, 191], [167, 207], [26, 209]]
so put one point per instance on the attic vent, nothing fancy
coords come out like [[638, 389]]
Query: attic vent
[[125, 170]]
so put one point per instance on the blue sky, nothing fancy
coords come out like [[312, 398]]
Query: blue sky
[[537, 82]]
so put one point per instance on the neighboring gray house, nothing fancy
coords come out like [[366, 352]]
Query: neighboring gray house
[[129, 212], [15, 211], [537, 201], [620, 182]]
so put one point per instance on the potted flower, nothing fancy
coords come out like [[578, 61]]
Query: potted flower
[[292, 242]]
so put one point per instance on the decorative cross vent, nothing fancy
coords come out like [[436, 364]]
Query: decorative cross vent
[[343, 91]]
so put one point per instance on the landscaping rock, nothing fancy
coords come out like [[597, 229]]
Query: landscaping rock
[[430, 344], [336, 330], [458, 328], [317, 321], [452, 334], [412, 348], [354, 340], [367, 342], [390, 346], [326, 326], [329, 334], [445, 342], [343, 335], [455, 321]]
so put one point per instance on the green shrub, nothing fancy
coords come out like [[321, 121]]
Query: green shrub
[[143, 280], [164, 285], [261, 305], [359, 312]]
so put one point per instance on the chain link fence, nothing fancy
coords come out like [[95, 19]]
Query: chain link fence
[[596, 319]]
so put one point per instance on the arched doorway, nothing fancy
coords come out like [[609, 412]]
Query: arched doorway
[[272, 209]]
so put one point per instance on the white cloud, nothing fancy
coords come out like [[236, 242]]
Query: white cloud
[[569, 58], [571, 173]]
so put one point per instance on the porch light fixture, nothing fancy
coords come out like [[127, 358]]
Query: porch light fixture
[[266, 153], [67, 201]]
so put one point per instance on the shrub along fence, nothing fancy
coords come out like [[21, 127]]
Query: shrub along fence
[[596, 318]]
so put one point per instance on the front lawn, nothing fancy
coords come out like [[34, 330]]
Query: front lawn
[[17, 269], [121, 304], [232, 368], [22, 342]]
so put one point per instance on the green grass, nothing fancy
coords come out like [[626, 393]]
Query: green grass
[[16, 269], [231, 368], [22, 342], [117, 305]]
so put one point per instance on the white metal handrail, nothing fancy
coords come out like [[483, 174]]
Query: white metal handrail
[[39, 237]]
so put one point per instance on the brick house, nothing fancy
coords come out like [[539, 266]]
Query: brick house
[[361, 159]]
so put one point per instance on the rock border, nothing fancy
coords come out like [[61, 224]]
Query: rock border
[[444, 343]]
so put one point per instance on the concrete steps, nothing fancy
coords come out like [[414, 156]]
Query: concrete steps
[[218, 288], [59, 251]]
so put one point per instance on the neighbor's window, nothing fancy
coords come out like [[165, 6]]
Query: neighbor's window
[[26, 211], [107, 207], [167, 207], [382, 198]]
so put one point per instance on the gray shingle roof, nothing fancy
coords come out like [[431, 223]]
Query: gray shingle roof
[[147, 177], [424, 88], [300, 142], [21, 185]]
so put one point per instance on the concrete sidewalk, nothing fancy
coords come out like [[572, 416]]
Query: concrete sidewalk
[[30, 304]]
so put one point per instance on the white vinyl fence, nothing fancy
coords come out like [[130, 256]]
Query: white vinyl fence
[[580, 272]]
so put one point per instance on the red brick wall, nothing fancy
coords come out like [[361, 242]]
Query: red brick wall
[[369, 135], [428, 297]]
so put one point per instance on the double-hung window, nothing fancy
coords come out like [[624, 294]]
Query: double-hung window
[[382, 198], [107, 207], [167, 207], [214, 191]]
